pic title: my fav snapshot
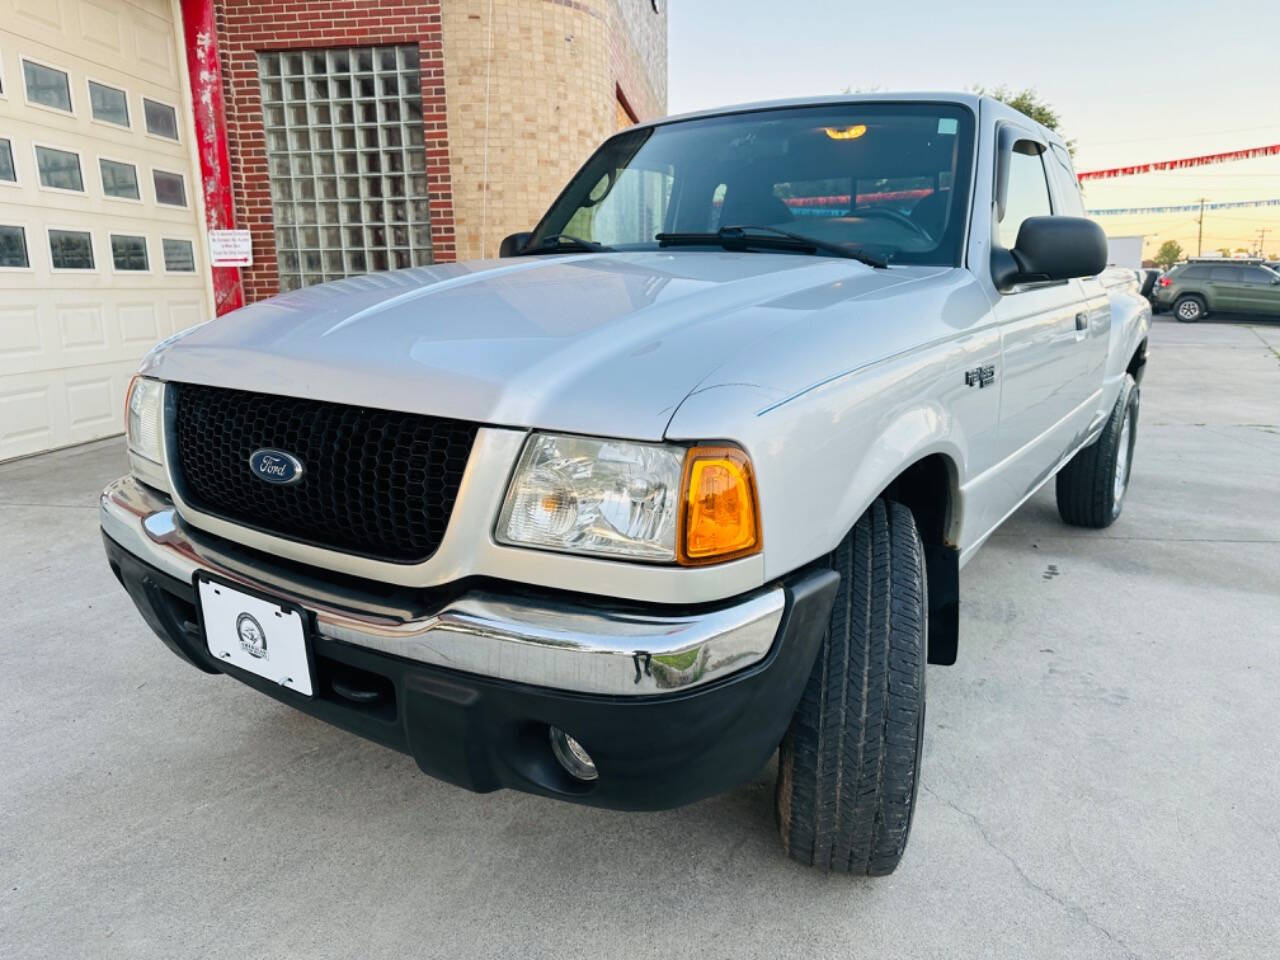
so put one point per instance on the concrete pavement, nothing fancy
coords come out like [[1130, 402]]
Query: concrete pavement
[[1100, 777]]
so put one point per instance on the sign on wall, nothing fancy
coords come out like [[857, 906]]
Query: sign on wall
[[230, 248]]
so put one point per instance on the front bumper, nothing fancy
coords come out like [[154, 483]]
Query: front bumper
[[673, 705]]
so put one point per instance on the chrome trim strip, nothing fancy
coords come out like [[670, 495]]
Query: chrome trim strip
[[559, 645]]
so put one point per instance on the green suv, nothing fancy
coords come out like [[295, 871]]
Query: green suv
[[1194, 290]]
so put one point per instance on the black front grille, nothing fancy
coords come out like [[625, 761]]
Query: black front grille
[[374, 482]]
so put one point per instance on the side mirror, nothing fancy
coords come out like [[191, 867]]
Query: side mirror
[[512, 245], [1050, 249]]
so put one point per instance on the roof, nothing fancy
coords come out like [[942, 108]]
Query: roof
[[978, 103]]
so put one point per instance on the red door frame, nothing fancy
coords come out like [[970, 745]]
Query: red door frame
[[200, 36]]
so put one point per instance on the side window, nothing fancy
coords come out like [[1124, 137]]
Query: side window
[[1028, 195], [1193, 273], [1259, 275], [1071, 204], [1224, 275]]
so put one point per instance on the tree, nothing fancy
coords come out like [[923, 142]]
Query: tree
[[1029, 102], [1225, 251], [1170, 252]]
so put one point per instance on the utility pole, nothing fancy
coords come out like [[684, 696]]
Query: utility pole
[[1262, 241], [1200, 233]]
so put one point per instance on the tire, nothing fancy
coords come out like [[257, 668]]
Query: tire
[[1189, 309], [849, 765], [1092, 486]]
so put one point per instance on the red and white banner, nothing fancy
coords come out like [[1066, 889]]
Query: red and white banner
[[1208, 159]]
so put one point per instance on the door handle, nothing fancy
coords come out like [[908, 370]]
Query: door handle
[[1082, 321]]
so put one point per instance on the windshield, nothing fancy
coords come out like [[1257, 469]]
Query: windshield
[[891, 179]]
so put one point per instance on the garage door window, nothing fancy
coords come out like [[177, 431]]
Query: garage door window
[[119, 180], [47, 86], [13, 248], [108, 104], [179, 256], [8, 173], [162, 119], [171, 189], [59, 169], [129, 253], [71, 249], [347, 161]]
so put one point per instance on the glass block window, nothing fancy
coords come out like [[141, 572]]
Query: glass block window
[[8, 171], [108, 104], [171, 188], [179, 256], [129, 253], [119, 179], [347, 161], [13, 247], [71, 249], [59, 169], [47, 86]]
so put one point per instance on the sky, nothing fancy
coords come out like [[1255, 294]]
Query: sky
[[1132, 82]]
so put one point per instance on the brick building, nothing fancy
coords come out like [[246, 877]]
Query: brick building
[[345, 135]]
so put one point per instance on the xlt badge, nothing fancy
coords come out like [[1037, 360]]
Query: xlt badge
[[983, 376]]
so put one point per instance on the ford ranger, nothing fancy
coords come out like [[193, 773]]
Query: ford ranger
[[683, 480]]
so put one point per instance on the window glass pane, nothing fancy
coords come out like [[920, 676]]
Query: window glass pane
[[179, 257], [170, 188], [129, 253], [7, 170], [71, 250], [635, 209], [1224, 274], [162, 119], [13, 247], [59, 169], [109, 104], [333, 163], [47, 86], [1028, 195], [119, 179]]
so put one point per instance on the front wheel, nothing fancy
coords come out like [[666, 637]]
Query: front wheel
[[1091, 487], [849, 765]]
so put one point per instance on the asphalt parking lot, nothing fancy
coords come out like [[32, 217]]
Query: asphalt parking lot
[[1100, 773]]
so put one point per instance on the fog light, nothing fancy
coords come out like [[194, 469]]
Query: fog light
[[572, 756]]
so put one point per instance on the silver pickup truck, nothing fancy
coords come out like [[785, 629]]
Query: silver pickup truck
[[686, 478]]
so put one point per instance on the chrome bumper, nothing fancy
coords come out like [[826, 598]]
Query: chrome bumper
[[586, 649]]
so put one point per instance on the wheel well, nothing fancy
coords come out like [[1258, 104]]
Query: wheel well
[[927, 488], [1138, 363]]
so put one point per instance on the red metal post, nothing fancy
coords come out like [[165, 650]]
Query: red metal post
[[199, 33]]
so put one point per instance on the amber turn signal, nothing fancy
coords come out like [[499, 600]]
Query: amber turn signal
[[720, 520]]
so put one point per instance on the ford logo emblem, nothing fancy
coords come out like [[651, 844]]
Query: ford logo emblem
[[275, 466]]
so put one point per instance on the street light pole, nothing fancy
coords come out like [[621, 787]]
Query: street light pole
[[1200, 231]]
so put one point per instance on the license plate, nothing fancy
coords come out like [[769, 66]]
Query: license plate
[[255, 634]]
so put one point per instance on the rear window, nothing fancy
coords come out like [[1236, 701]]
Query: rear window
[[1191, 273]]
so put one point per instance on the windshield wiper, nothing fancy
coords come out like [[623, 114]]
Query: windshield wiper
[[745, 237], [565, 243]]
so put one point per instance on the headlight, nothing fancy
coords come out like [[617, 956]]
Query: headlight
[[634, 501], [143, 430], [605, 497]]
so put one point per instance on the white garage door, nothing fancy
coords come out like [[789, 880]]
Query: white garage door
[[100, 252]]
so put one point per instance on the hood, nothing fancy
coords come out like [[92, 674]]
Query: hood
[[597, 343]]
